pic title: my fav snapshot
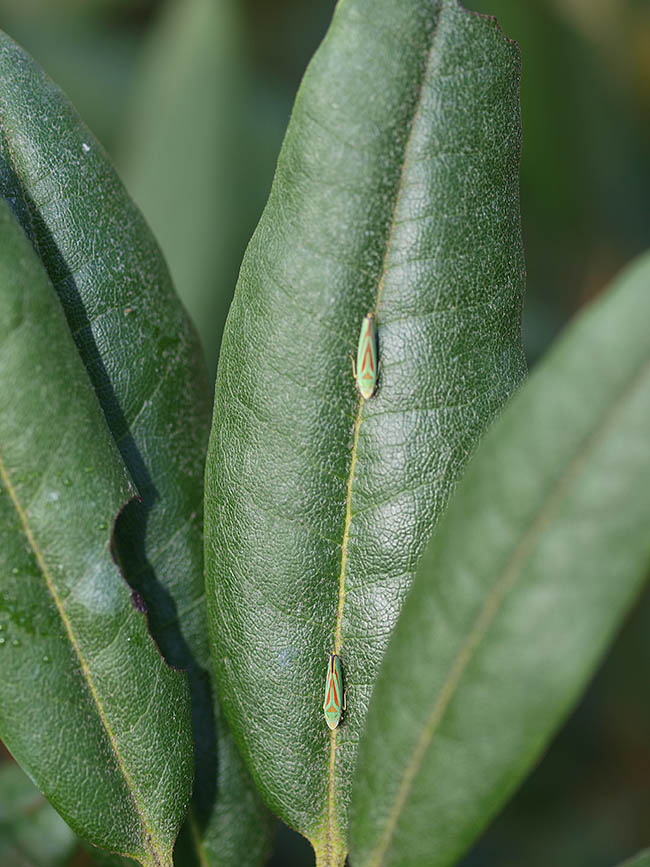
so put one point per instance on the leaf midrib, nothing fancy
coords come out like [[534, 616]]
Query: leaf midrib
[[399, 190], [157, 859], [495, 598]]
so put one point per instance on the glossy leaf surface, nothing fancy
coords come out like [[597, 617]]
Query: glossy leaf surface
[[145, 363], [537, 560], [396, 192], [87, 705]]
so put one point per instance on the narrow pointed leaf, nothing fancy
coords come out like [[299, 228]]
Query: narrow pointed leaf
[[145, 363], [185, 157], [186, 112], [537, 560], [396, 192], [87, 705]]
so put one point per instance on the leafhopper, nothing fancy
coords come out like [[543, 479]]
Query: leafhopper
[[334, 703], [365, 369]]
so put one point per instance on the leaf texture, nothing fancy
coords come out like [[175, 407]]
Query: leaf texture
[[144, 361], [87, 705], [396, 192], [538, 558]]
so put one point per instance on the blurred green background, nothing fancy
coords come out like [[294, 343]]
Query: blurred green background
[[191, 99]]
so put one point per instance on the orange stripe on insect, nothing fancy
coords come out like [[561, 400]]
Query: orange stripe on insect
[[367, 357], [333, 692], [366, 367]]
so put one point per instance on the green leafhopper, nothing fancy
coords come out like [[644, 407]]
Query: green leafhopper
[[365, 369], [334, 703]]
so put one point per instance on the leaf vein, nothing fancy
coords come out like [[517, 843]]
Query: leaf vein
[[148, 835], [494, 599]]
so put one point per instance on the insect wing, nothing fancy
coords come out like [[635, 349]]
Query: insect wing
[[333, 692], [367, 357]]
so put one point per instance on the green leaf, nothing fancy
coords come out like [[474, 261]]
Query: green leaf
[[538, 558], [145, 364], [234, 827], [92, 62], [87, 705], [187, 159], [640, 860], [187, 113], [32, 834], [396, 191]]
